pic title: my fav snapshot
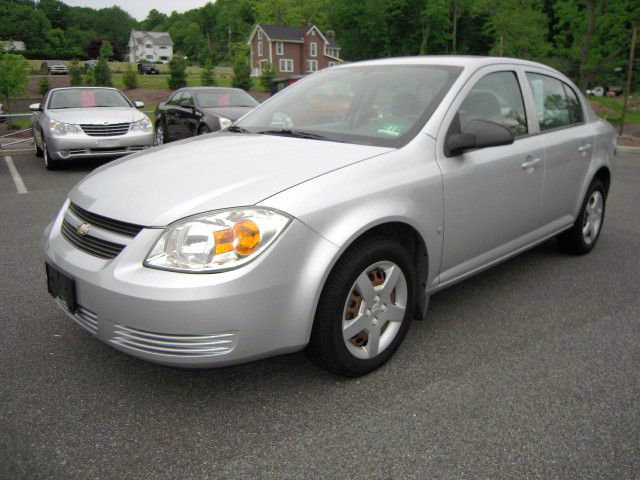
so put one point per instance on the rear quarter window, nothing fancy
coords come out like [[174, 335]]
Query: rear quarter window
[[557, 105]]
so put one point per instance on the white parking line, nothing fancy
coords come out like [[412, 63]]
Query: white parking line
[[17, 179]]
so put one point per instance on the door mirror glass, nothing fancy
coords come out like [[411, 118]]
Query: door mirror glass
[[138, 104], [34, 107], [186, 104], [478, 134]]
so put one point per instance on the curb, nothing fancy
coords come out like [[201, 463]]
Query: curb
[[623, 149]]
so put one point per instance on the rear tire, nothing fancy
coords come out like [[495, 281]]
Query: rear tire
[[382, 313], [585, 232]]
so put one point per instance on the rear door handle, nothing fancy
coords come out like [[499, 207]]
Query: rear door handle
[[584, 148], [531, 163]]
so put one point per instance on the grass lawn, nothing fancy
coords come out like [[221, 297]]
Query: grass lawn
[[615, 105]]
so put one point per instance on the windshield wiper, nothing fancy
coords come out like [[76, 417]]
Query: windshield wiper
[[237, 129], [286, 132]]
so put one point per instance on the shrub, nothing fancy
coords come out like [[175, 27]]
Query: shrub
[[208, 77], [177, 73], [43, 85], [130, 77], [89, 77], [241, 73], [102, 74], [75, 74], [266, 77]]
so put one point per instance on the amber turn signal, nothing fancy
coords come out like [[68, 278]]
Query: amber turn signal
[[247, 237], [224, 241]]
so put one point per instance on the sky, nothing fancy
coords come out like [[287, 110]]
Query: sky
[[139, 8]]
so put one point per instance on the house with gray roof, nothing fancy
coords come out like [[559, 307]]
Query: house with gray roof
[[150, 47], [292, 51]]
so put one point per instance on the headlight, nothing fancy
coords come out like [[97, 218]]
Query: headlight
[[216, 241], [143, 125], [60, 128], [224, 123]]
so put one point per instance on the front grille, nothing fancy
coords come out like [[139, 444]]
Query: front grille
[[91, 245], [111, 130], [115, 226], [184, 345]]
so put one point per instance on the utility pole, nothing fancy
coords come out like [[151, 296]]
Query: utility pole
[[229, 38], [632, 57], [501, 46]]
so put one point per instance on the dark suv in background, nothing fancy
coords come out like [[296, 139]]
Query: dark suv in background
[[147, 68]]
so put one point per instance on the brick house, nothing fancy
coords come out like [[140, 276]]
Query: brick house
[[292, 51]]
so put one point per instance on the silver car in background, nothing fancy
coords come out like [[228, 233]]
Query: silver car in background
[[81, 122], [327, 217]]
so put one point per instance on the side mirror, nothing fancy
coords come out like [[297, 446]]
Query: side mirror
[[186, 104], [35, 107], [478, 134], [138, 104]]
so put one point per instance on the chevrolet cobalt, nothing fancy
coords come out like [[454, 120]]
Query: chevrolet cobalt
[[325, 218]]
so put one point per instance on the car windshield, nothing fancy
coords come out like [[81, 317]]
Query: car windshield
[[224, 98], [383, 105], [87, 98]]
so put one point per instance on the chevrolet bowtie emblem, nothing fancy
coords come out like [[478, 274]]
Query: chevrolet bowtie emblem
[[83, 229]]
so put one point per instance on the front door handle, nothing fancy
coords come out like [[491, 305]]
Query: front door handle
[[584, 148], [533, 163]]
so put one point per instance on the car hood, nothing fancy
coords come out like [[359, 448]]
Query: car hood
[[102, 116], [223, 170], [232, 113]]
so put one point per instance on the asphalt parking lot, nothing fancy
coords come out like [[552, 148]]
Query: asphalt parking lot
[[530, 370]]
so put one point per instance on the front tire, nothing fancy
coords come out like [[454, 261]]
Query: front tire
[[203, 130], [49, 163], [160, 135], [583, 236], [365, 308]]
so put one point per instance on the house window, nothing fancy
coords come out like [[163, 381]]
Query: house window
[[331, 64], [163, 48], [314, 49], [312, 65], [259, 49], [149, 57], [148, 45], [263, 64], [164, 58], [286, 65], [279, 48], [259, 34]]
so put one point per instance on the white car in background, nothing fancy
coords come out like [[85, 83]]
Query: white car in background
[[82, 122]]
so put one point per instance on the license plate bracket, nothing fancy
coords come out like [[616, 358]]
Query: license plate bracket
[[108, 143], [62, 286]]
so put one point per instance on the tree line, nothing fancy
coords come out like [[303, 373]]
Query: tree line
[[586, 39]]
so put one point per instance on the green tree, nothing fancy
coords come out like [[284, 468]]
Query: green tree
[[267, 75], [75, 74], [130, 77], [106, 50], [43, 85], [13, 77], [241, 73], [208, 76], [177, 73], [102, 73]]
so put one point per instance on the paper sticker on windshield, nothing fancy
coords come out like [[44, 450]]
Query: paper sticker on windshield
[[392, 129]]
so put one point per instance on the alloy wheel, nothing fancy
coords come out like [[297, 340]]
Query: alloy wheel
[[159, 135], [593, 217], [374, 310]]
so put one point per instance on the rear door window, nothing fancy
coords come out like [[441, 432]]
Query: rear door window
[[496, 98], [557, 105]]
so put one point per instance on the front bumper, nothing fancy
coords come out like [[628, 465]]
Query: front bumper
[[82, 146], [197, 320]]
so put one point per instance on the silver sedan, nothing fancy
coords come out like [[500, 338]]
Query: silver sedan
[[88, 122], [326, 217]]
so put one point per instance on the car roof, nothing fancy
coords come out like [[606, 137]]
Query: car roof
[[213, 88], [472, 61], [83, 88]]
